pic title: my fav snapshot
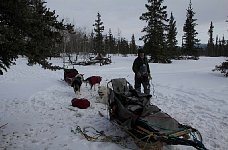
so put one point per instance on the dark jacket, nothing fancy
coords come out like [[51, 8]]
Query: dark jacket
[[141, 66]]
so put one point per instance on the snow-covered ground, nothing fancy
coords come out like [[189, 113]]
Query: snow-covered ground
[[36, 111]]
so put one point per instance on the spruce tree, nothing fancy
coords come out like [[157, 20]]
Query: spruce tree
[[28, 28], [106, 43], [210, 45], [133, 47], [11, 36], [171, 37], [92, 41], [98, 29], [124, 47], [223, 46], [223, 68], [111, 42], [189, 39], [216, 46], [154, 38]]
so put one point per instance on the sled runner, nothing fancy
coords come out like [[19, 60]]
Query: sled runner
[[150, 127]]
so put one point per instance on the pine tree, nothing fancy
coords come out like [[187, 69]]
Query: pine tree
[[223, 68], [106, 44], [171, 37], [92, 41], [190, 40], [133, 47], [154, 38], [28, 28], [111, 42], [99, 28], [223, 47], [124, 47], [216, 46], [226, 47], [210, 45], [11, 36]]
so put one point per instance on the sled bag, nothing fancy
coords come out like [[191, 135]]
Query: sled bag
[[80, 103]]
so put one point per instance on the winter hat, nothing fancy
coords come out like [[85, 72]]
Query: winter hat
[[140, 50]]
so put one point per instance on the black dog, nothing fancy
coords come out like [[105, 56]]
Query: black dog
[[76, 83]]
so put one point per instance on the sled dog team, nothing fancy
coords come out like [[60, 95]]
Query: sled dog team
[[92, 81], [142, 77], [79, 79]]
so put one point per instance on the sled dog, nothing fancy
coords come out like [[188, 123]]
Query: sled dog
[[103, 95], [93, 80], [76, 83]]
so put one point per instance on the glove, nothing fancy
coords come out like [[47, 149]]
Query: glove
[[149, 77]]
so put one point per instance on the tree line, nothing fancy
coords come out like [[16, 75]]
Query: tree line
[[160, 41], [97, 42], [215, 47], [30, 29]]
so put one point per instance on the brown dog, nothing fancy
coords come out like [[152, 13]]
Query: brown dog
[[93, 80]]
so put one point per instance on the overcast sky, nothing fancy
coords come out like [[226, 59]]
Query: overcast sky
[[123, 15]]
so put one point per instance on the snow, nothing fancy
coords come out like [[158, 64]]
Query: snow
[[36, 111]]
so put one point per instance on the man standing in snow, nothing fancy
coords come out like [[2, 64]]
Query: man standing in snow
[[142, 72]]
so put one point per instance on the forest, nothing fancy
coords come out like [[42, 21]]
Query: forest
[[30, 29]]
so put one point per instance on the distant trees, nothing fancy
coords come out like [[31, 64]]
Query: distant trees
[[111, 42], [217, 48], [190, 41], [223, 68], [160, 36], [98, 43], [28, 28]]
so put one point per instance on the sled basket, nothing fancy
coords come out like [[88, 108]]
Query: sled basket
[[150, 127]]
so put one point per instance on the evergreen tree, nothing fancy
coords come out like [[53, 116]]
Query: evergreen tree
[[216, 46], [223, 68], [154, 38], [210, 45], [99, 28], [171, 37], [124, 47], [133, 47], [11, 36], [226, 49], [106, 44], [190, 40], [223, 44], [111, 42], [28, 28], [92, 41], [219, 47]]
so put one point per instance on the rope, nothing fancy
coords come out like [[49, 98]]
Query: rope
[[198, 144], [99, 136], [139, 141]]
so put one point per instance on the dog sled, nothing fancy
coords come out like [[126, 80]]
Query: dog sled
[[150, 127]]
